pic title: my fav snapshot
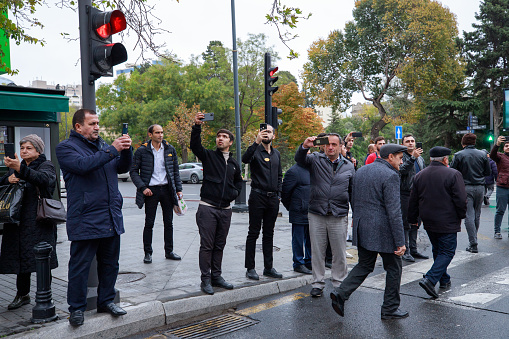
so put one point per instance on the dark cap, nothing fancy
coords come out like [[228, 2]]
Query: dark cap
[[438, 151], [391, 149]]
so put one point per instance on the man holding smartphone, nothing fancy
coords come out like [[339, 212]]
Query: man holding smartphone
[[155, 173], [266, 186], [412, 164]]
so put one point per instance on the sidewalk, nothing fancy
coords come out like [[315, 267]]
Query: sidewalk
[[164, 292]]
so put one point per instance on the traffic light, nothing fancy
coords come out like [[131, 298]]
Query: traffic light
[[270, 79], [275, 122], [490, 137], [104, 54]]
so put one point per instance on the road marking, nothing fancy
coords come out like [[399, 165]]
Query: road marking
[[415, 271], [273, 303]]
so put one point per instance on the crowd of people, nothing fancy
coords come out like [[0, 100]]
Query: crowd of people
[[390, 196]]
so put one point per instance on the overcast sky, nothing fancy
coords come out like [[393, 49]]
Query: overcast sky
[[193, 23]]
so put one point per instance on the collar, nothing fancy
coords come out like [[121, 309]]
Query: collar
[[469, 146], [436, 163], [96, 143]]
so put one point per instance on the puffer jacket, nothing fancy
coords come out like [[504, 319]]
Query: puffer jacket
[[330, 191], [143, 167]]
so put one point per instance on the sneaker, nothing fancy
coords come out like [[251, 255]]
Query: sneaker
[[498, 236], [408, 257], [472, 249], [348, 255], [486, 201], [316, 292]]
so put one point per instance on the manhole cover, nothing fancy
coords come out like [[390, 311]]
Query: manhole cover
[[213, 327], [129, 277], [258, 248]]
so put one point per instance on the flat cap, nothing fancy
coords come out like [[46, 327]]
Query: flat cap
[[391, 149], [438, 151]]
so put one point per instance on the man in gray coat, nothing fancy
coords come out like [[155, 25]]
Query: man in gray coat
[[377, 229], [331, 186]]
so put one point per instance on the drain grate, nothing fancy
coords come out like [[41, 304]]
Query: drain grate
[[213, 327]]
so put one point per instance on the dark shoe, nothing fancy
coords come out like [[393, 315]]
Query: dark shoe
[[112, 309], [148, 258], [398, 314], [77, 318], [328, 264], [19, 301], [338, 304], [498, 236], [446, 285], [428, 287], [316, 292], [309, 266], [302, 269], [220, 282], [272, 273], [206, 287], [251, 274], [472, 249], [173, 256], [486, 201], [408, 257], [418, 255]]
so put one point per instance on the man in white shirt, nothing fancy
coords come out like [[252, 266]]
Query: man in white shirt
[[155, 173]]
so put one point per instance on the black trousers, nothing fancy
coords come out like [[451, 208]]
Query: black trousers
[[23, 283], [411, 232], [107, 251], [367, 259], [262, 209], [163, 195], [213, 225]]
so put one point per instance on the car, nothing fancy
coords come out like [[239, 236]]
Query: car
[[124, 176], [191, 172]]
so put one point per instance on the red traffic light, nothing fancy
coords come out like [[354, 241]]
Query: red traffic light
[[273, 70], [106, 24]]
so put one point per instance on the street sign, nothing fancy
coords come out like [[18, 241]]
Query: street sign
[[462, 132], [399, 132], [479, 127]]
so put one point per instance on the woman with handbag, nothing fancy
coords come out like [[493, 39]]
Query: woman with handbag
[[18, 241]]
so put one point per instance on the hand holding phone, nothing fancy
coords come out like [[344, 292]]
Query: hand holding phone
[[263, 126], [356, 134], [321, 141], [418, 145], [125, 128], [9, 150], [208, 117]]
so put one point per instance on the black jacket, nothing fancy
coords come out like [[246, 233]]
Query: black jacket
[[295, 194], [18, 241], [473, 164], [266, 172], [143, 167], [439, 198], [407, 172], [222, 181]]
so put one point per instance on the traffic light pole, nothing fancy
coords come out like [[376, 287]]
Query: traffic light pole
[[268, 98], [88, 85]]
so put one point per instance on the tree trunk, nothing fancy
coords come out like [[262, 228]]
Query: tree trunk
[[377, 126], [184, 153]]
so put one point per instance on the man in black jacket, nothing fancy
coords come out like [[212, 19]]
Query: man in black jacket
[[155, 173], [222, 183], [474, 166], [438, 197], [267, 179]]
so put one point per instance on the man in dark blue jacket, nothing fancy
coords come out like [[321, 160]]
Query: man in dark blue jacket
[[295, 197], [94, 211], [155, 173], [222, 183]]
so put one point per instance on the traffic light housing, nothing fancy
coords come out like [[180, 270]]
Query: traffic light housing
[[275, 122], [490, 137], [104, 54], [270, 89]]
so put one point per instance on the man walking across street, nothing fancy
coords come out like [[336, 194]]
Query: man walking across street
[[295, 197], [94, 211], [502, 161], [438, 197], [474, 166], [331, 187], [222, 183], [379, 142], [412, 161], [267, 179], [155, 173], [378, 229]]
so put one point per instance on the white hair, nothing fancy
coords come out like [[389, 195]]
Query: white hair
[[440, 159]]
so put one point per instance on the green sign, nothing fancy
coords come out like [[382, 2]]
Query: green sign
[[505, 110], [5, 51]]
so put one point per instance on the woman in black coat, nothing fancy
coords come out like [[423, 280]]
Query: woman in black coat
[[18, 241]]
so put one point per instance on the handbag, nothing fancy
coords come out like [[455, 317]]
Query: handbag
[[50, 210], [11, 197]]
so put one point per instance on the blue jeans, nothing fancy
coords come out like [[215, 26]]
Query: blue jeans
[[301, 245], [502, 201], [475, 196], [443, 246]]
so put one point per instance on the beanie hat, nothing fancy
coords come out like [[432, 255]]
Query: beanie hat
[[35, 140]]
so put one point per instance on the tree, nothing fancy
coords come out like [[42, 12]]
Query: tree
[[486, 51], [388, 40], [178, 130], [285, 78]]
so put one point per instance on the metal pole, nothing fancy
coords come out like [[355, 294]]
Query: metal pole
[[87, 83], [44, 309], [240, 202]]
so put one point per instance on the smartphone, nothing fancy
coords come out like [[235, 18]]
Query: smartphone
[[263, 126], [9, 150], [124, 128], [321, 141], [418, 145], [357, 134], [208, 117]]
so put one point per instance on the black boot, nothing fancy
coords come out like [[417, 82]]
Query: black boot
[[19, 301]]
